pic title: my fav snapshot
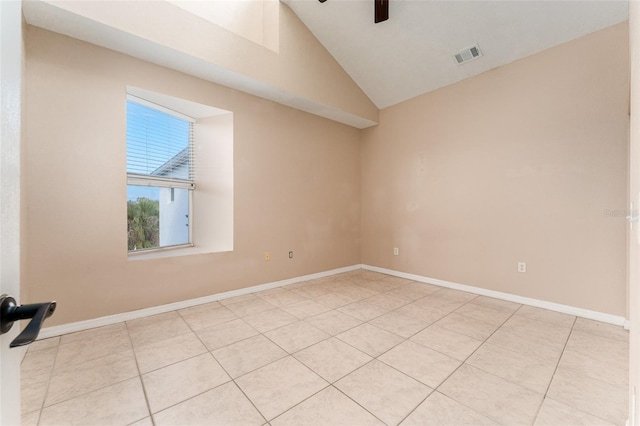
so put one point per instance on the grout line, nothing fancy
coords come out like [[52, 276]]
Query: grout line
[[139, 375], [357, 403], [195, 396], [301, 349], [560, 358], [332, 384], [577, 372], [590, 333], [287, 354], [53, 366], [329, 385], [250, 400], [255, 369], [376, 358], [555, 370], [210, 351], [207, 350], [144, 389], [552, 306], [464, 362], [46, 392], [331, 336], [89, 391]]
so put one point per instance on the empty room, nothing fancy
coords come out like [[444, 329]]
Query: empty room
[[319, 212]]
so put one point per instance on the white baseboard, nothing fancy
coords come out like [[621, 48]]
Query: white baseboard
[[565, 309], [127, 316], [73, 327]]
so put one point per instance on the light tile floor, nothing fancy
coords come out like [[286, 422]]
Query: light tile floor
[[359, 348]]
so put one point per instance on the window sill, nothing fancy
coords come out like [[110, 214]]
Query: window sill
[[174, 251]]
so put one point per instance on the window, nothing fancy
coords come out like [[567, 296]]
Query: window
[[159, 176], [173, 145]]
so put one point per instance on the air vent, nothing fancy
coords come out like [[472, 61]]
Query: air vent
[[468, 54]]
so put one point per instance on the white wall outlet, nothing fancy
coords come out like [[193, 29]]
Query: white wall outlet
[[290, 255], [522, 267], [396, 251]]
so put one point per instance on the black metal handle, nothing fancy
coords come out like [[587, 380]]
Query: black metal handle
[[10, 312]]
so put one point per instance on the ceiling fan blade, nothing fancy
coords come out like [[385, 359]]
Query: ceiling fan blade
[[381, 10]]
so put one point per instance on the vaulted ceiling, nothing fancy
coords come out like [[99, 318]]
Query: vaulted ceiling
[[412, 52]]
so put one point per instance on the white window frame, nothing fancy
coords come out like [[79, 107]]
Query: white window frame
[[137, 179]]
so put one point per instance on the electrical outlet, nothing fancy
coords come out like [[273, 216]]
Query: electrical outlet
[[396, 251], [267, 256], [290, 255], [522, 267]]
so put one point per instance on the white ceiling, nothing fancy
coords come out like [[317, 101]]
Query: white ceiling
[[412, 52]]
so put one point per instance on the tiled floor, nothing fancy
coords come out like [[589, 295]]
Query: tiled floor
[[356, 348]]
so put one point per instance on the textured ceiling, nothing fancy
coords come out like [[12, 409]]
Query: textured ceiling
[[412, 52]]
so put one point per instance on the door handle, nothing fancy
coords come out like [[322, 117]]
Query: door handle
[[10, 312]]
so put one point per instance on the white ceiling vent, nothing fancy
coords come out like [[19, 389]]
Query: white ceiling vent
[[468, 54]]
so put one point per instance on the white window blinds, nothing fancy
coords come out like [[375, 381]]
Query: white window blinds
[[159, 147]]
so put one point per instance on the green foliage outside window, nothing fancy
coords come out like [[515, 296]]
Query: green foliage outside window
[[143, 224]]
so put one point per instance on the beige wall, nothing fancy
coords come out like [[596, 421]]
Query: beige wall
[[296, 184], [302, 72], [518, 164]]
